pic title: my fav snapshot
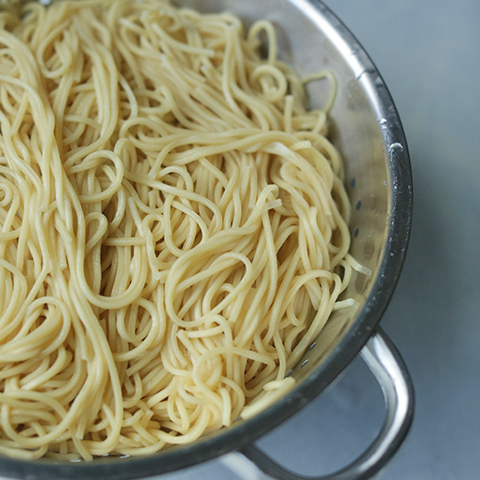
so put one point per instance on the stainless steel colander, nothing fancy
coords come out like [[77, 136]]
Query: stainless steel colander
[[367, 131]]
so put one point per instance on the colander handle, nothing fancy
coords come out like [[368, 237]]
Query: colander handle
[[386, 364]]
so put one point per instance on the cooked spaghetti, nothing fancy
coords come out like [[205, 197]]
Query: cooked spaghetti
[[173, 225]]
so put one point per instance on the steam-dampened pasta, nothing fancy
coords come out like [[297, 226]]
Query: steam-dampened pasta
[[173, 226]]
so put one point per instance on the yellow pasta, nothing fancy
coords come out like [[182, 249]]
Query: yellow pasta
[[173, 226]]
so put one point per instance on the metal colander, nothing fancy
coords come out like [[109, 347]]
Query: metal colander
[[367, 131]]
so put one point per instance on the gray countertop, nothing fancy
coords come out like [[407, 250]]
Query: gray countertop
[[428, 53]]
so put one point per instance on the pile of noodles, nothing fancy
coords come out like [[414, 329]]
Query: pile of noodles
[[173, 226]]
